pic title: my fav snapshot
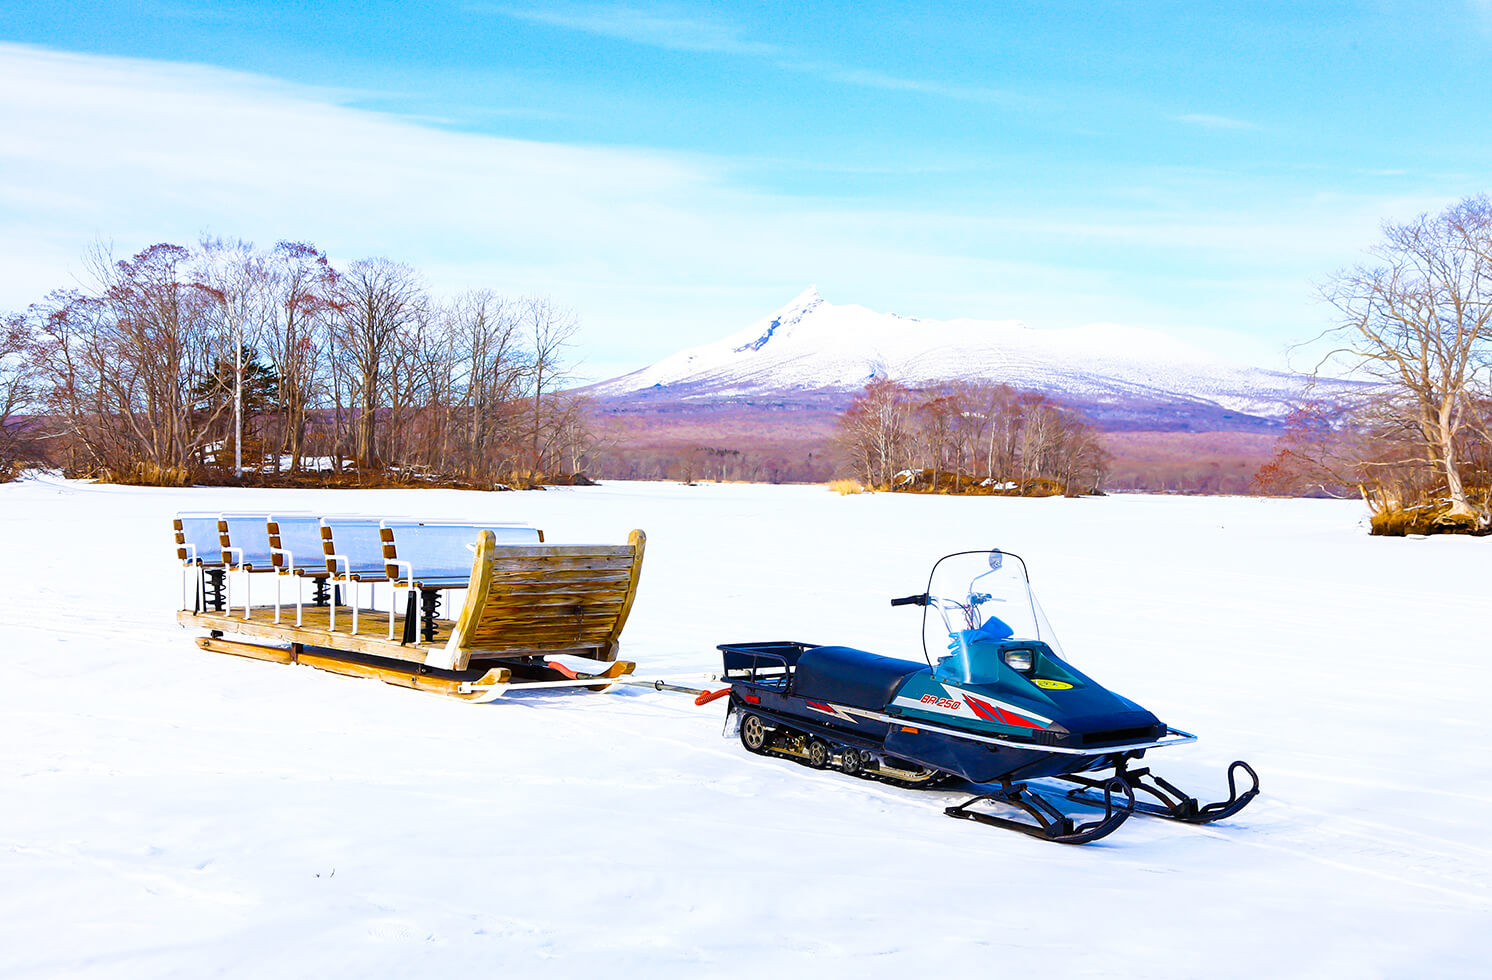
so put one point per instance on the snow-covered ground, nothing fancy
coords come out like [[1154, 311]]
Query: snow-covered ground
[[170, 813]]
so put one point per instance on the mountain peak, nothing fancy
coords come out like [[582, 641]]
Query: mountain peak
[[785, 318], [808, 297]]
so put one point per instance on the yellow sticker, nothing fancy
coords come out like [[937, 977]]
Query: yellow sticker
[[1045, 684]]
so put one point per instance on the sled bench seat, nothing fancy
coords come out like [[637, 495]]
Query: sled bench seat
[[200, 550], [298, 556], [427, 557], [438, 554], [222, 542], [247, 547], [353, 549]]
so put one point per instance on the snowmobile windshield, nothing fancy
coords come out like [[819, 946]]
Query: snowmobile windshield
[[982, 619]]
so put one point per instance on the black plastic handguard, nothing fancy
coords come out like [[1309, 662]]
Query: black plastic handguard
[[911, 600]]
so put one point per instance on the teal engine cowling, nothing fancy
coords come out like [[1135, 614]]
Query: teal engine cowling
[[1018, 691]]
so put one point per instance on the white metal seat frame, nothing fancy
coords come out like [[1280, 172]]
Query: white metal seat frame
[[198, 548], [421, 555], [289, 536], [246, 548], [354, 555]]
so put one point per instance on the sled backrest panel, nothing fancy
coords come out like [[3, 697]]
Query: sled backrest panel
[[548, 599], [442, 551], [245, 540], [358, 541], [296, 546], [197, 540]]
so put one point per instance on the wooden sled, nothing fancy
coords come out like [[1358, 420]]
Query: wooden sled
[[524, 604]]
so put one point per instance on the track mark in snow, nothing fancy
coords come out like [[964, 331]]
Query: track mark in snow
[[1445, 875], [398, 931], [1387, 787]]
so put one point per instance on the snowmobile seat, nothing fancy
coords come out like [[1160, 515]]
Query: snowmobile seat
[[849, 676]]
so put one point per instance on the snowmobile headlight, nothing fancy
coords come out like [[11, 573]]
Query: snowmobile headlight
[[1018, 660]]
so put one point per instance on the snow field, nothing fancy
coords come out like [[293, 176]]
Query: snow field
[[165, 812]]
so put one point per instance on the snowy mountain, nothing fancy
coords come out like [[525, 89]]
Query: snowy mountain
[[814, 351]]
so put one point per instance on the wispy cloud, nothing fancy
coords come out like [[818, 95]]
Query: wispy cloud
[[1215, 122], [869, 78], [675, 30], [655, 27]]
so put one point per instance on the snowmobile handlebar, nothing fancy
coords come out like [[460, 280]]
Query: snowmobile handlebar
[[911, 600]]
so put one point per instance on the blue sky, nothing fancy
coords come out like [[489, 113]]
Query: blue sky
[[674, 171]]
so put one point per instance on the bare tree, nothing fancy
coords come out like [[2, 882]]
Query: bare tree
[[876, 432], [575, 439], [302, 287], [19, 384], [1420, 323], [550, 330], [233, 275], [484, 329], [935, 424], [124, 359]]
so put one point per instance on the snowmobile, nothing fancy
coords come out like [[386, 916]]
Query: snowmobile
[[995, 703]]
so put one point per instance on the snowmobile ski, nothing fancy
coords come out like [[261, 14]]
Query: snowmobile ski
[[1051, 824], [1174, 804]]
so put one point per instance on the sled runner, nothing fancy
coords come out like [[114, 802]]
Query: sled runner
[[517, 605], [994, 704]]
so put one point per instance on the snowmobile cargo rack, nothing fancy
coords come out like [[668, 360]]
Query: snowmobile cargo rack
[[771, 662], [520, 604]]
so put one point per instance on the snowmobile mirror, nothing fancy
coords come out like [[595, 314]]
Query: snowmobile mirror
[[996, 559], [1018, 660]]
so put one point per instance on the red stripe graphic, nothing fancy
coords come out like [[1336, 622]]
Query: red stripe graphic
[[991, 712]]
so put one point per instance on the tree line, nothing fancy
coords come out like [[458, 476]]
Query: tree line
[[181, 363], [968, 436], [1415, 325]]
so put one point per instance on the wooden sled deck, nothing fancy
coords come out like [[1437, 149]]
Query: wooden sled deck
[[522, 605]]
